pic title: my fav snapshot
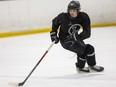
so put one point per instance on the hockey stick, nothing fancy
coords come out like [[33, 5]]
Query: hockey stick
[[22, 83]]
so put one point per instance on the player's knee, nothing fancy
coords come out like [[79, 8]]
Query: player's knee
[[89, 49]]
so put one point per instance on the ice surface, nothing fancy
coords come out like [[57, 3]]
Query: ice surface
[[18, 55]]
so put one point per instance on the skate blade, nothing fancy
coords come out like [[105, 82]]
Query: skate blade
[[94, 71]]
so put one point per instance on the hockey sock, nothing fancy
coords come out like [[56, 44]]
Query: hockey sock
[[90, 52]]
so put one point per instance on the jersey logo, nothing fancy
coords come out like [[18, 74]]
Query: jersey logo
[[74, 29]]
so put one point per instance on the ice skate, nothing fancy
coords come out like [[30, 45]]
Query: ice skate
[[96, 68], [82, 70]]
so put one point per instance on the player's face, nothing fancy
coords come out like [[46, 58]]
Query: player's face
[[73, 12]]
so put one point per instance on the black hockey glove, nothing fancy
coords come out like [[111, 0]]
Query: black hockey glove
[[54, 37]]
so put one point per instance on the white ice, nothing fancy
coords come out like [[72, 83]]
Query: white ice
[[18, 55]]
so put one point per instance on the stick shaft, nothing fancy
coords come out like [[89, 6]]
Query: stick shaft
[[36, 65]]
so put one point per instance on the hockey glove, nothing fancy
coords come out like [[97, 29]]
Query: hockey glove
[[54, 37]]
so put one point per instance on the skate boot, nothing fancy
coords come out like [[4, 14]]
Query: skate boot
[[96, 68], [83, 70]]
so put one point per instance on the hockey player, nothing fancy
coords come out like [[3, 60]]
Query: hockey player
[[70, 39]]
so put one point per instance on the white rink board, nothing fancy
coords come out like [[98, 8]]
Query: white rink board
[[20, 15]]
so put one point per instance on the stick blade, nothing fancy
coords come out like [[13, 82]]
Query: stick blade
[[13, 84], [21, 84]]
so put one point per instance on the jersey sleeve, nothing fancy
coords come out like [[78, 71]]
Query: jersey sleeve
[[55, 24], [86, 27]]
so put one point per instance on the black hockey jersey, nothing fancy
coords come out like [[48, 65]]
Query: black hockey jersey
[[69, 26]]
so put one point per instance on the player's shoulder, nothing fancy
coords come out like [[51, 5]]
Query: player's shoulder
[[63, 14], [83, 15], [60, 17]]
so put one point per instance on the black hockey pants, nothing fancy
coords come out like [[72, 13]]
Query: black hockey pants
[[85, 52]]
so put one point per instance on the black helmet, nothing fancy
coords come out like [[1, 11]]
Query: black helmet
[[74, 5]]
